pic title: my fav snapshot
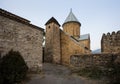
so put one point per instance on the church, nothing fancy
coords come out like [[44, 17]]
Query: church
[[61, 44]]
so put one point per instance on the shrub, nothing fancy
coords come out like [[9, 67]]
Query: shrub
[[92, 72], [113, 73], [1, 79], [13, 68]]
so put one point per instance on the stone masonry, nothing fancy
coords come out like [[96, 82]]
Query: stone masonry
[[90, 60], [61, 44], [18, 34], [110, 43], [52, 43], [70, 46]]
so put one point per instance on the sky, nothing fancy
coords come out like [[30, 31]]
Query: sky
[[96, 16]]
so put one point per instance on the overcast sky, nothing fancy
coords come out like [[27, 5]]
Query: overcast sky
[[96, 16]]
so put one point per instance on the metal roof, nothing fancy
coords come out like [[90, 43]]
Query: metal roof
[[84, 37], [71, 18]]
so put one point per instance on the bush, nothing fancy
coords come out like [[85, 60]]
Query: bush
[[13, 68], [113, 73], [1, 79], [92, 72]]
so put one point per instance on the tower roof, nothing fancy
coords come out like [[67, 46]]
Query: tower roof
[[71, 18], [52, 19]]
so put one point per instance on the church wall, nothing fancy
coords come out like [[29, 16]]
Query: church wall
[[86, 43], [69, 46], [72, 28], [23, 38]]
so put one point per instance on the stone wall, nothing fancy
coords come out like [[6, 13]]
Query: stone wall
[[89, 60], [18, 34], [86, 42], [110, 42], [70, 46]]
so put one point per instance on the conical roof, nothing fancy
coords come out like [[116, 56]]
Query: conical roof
[[71, 18], [52, 19]]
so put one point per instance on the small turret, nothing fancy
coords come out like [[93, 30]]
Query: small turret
[[52, 42], [52, 19]]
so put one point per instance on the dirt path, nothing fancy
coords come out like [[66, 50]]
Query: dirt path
[[57, 74]]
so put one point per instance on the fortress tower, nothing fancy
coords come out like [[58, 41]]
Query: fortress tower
[[52, 43], [110, 43], [72, 25]]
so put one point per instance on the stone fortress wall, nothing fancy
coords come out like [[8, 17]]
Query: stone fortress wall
[[18, 34], [110, 42], [110, 46], [90, 60]]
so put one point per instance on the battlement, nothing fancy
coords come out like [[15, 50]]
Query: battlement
[[111, 36], [110, 42]]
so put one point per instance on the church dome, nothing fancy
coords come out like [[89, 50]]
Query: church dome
[[71, 18]]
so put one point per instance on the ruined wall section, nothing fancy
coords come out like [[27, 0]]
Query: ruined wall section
[[23, 37], [110, 42]]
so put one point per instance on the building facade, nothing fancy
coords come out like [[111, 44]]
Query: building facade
[[20, 35], [61, 44]]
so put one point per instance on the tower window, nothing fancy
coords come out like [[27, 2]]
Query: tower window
[[48, 26]]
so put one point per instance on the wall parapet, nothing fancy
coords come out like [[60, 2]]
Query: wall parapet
[[89, 60]]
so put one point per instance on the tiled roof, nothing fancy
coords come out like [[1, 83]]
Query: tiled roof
[[84, 37], [71, 18]]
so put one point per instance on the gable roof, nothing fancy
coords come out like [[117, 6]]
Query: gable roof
[[71, 18], [84, 37], [52, 19]]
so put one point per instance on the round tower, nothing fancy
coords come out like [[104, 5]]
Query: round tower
[[72, 25]]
